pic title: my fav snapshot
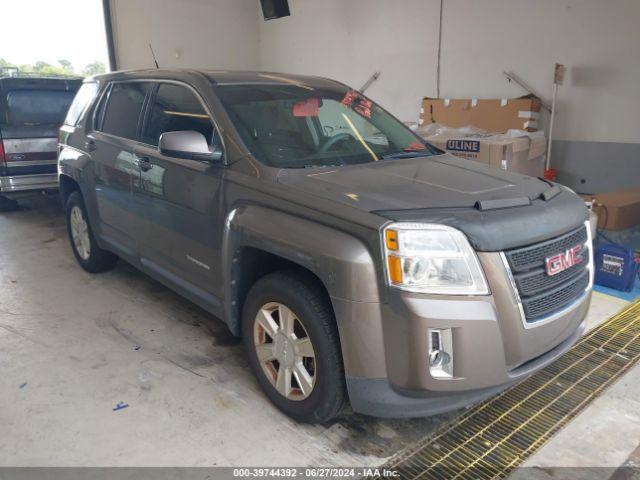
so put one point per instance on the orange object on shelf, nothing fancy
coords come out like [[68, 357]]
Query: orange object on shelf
[[550, 174]]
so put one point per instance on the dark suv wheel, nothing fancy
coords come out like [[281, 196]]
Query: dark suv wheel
[[291, 338], [85, 248]]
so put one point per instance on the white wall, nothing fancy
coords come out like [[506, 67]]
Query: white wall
[[597, 145], [350, 40], [598, 40], [186, 33]]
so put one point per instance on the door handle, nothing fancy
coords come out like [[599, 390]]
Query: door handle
[[90, 145], [144, 163]]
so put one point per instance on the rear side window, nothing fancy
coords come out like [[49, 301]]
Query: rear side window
[[81, 102], [176, 108], [122, 111], [37, 107]]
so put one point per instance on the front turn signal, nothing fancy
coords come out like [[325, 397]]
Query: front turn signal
[[395, 269]]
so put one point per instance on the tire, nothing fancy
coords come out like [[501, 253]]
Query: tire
[[89, 255], [315, 323]]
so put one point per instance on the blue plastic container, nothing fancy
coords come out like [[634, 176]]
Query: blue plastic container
[[615, 267]]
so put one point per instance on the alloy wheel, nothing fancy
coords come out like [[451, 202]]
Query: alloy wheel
[[80, 233], [284, 351]]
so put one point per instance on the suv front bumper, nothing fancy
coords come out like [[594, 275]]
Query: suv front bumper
[[385, 346]]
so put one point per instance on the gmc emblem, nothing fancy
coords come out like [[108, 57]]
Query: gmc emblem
[[562, 261]]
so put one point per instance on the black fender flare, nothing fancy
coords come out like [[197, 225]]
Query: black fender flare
[[78, 166], [342, 262]]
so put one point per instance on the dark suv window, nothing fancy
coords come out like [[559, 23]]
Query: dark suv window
[[122, 110], [176, 108], [81, 102], [37, 107]]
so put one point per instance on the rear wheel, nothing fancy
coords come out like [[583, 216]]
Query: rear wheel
[[292, 342], [85, 248]]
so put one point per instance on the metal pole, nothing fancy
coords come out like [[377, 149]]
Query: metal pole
[[439, 50], [108, 28], [553, 111], [512, 77], [368, 83]]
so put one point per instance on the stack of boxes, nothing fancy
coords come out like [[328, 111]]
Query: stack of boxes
[[501, 133]]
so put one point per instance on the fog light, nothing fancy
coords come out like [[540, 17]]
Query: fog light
[[441, 352]]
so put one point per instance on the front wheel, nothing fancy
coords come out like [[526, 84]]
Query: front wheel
[[85, 248], [291, 339]]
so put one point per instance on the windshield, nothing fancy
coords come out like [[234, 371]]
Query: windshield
[[296, 126]]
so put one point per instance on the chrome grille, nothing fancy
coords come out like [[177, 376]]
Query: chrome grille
[[527, 258], [540, 293], [537, 280], [547, 302]]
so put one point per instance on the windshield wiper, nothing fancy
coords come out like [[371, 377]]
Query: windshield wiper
[[412, 154]]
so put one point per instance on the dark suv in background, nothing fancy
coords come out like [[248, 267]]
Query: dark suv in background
[[31, 112], [355, 260]]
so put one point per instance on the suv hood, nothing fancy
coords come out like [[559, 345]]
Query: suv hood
[[442, 181], [496, 210]]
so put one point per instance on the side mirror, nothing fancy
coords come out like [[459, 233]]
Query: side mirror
[[187, 144]]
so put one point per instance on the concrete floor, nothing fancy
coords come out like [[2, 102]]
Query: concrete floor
[[73, 345], [69, 353]]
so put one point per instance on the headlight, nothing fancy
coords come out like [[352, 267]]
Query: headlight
[[430, 258]]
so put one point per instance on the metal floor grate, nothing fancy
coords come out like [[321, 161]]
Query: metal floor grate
[[492, 438]]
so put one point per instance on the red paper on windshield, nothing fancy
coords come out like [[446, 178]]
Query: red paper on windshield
[[354, 100], [415, 146], [364, 107], [307, 108], [349, 97]]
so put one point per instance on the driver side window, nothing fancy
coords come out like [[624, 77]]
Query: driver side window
[[176, 108]]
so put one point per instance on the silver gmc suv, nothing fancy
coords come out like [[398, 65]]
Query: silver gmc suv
[[356, 261]]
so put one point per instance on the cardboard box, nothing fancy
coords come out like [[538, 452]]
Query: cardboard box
[[497, 115], [621, 208], [520, 154]]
